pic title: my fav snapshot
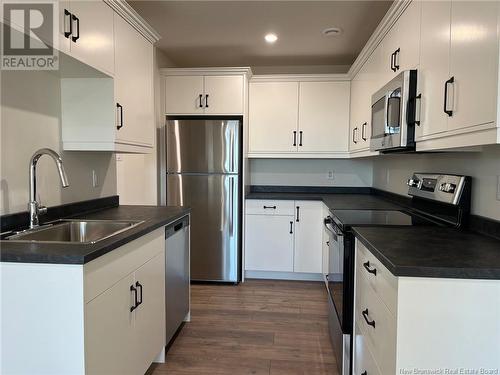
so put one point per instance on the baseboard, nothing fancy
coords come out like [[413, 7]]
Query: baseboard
[[273, 275]]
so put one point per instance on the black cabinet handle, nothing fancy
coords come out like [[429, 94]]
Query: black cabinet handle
[[367, 267], [120, 111], [272, 207], [354, 135], [392, 62], [450, 81], [133, 289], [200, 97], [363, 131], [74, 38], [369, 322], [300, 138], [139, 285], [297, 219], [291, 227], [206, 101], [294, 138], [396, 59], [67, 15]]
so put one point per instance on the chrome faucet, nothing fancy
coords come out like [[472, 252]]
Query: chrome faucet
[[34, 206]]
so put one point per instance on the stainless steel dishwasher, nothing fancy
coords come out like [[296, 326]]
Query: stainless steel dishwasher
[[176, 275]]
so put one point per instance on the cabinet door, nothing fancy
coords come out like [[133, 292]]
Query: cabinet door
[[133, 85], [359, 135], [109, 331], [273, 116], [269, 243], [324, 116], [404, 37], [150, 315], [474, 63], [223, 95], [434, 66], [182, 95], [95, 44], [308, 237]]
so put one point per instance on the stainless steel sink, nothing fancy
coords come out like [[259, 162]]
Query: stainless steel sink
[[75, 231]]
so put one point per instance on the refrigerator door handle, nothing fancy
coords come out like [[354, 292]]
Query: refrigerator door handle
[[231, 205]]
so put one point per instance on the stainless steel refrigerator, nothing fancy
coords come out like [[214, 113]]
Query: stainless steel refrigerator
[[203, 164]]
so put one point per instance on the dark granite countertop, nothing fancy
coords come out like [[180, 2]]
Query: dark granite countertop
[[154, 217], [334, 201], [433, 251]]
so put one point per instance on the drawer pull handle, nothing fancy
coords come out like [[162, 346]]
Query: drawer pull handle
[[271, 207], [367, 267], [133, 289], [365, 315], [291, 227]]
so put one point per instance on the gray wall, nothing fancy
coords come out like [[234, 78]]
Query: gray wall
[[390, 172], [311, 172], [31, 119]]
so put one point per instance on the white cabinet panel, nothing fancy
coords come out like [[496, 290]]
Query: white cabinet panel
[[308, 237], [434, 66], [150, 315], [273, 116], [323, 116], [269, 243], [93, 30], [133, 85], [224, 95], [184, 95], [109, 331], [474, 63], [269, 207]]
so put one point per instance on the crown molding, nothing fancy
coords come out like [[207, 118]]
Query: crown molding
[[206, 71], [299, 77], [397, 8], [128, 13]]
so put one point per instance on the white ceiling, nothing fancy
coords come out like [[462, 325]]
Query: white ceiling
[[231, 33]]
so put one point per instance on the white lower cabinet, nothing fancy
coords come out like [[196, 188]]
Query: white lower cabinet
[[430, 324], [284, 236]]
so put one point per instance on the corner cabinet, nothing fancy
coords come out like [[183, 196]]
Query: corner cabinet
[[283, 239], [205, 91], [107, 105], [299, 116]]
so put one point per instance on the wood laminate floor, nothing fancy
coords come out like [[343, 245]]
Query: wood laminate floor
[[259, 327]]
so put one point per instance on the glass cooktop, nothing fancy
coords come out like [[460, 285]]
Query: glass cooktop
[[346, 218]]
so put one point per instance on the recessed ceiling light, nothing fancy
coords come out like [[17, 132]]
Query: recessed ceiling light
[[271, 38], [332, 31]]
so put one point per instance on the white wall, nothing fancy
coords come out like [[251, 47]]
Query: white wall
[[390, 173], [311, 172], [31, 119]]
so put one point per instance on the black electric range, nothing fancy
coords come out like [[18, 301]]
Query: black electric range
[[436, 200]]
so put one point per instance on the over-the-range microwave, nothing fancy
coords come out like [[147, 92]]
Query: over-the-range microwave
[[393, 114]]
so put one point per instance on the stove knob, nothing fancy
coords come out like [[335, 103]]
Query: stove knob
[[414, 182], [447, 187]]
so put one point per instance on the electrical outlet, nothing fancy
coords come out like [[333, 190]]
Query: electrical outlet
[[498, 188], [330, 175], [95, 179]]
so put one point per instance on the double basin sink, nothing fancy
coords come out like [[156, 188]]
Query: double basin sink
[[74, 231]]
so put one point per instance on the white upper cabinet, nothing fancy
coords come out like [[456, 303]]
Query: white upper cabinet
[[293, 118], [273, 117], [133, 86], [434, 66], [224, 95], [195, 93], [401, 45], [92, 34], [184, 95], [473, 63], [323, 111]]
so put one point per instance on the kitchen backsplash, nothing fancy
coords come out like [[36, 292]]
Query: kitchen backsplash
[[31, 119]]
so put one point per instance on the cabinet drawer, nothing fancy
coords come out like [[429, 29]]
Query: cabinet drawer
[[363, 358], [269, 207], [105, 271], [377, 324], [380, 279]]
